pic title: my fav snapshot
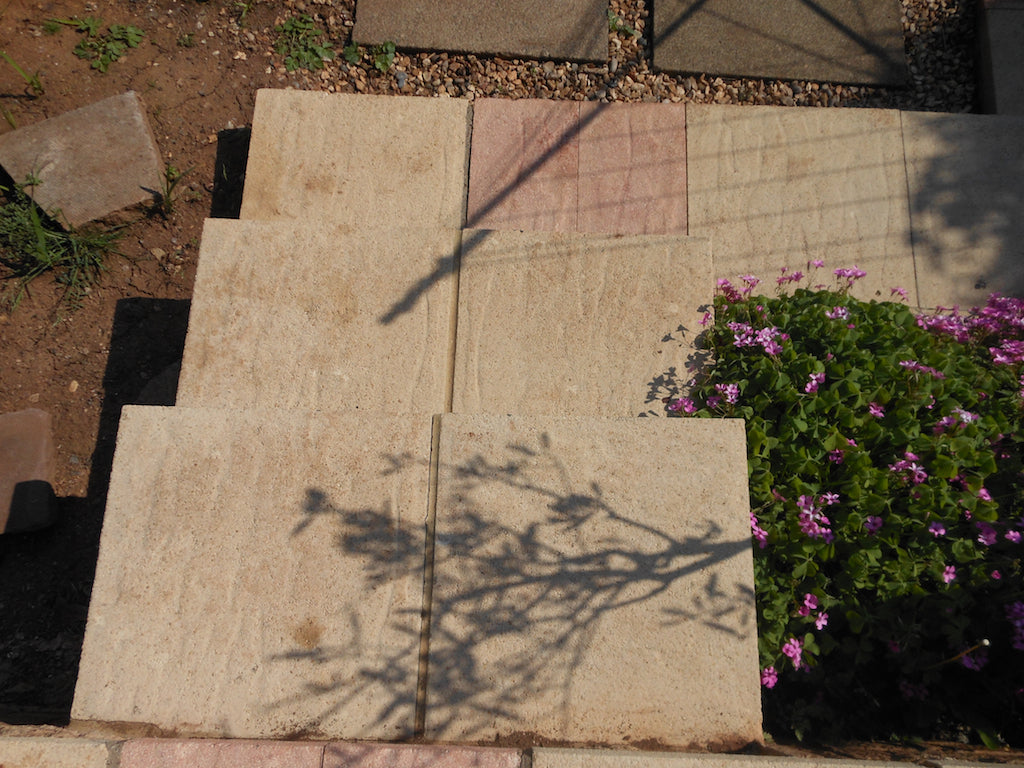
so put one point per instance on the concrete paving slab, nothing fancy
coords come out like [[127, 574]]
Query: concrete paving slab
[[562, 323], [523, 29], [220, 753], [1000, 68], [966, 180], [91, 162], [357, 159], [567, 167], [777, 187], [598, 758], [310, 315], [846, 41], [28, 465], [593, 583], [260, 575], [418, 756], [34, 752]]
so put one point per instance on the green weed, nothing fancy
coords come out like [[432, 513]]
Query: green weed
[[101, 50], [616, 24], [32, 243], [301, 44], [168, 188], [383, 55], [33, 86]]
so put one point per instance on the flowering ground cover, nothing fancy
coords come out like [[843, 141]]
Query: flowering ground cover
[[885, 467]]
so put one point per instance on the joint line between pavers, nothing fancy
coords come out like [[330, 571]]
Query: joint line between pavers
[[686, 183], [453, 325], [910, 210], [419, 726]]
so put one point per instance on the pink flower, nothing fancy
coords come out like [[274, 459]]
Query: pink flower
[[996, 575], [873, 524], [705, 319], [731, 392], [836, 456], [817, 264], [810, 604], [829, 498], [948, 574], [683, 404], [814, 382], [759, 533], [769, 677], [987, 534], [821, 621], [984, 495], [937, 529], [897, 291], [876, 410], [793, 648], [837, 313], [1013, 536]]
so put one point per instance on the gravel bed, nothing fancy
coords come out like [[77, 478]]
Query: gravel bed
[[938, 35]]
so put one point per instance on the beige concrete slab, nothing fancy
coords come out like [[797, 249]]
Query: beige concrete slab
[[593, 583], [357, 159], [536, 29], [561, 323], [600, 758], [775, 187], [966, 182], [260, 575], [35, 752], [567, 167], [311, 315], [419, 756], [91, 161]]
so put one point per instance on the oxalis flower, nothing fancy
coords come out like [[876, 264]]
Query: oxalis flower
[[949, 574], [794, 649], [769, 677], [873, 524], [814, 382]]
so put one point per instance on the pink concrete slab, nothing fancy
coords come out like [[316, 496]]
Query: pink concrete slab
[[417, 756], [219, 753], [524, 161], [632, 172], [564, 167]]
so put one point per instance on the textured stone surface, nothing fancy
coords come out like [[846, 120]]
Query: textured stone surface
[[965, 175], [595, 758], [27, 468], [775, 187], [215, 753], [418, 756], [332, 317], [855, 41], [565, 323], [577, 563], [1001, 69], [521, 28], [568, 167], [37, 752], [92, 162], [357, 159], [260, 575]]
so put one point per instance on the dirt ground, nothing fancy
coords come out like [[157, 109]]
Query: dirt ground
[[197, 71]]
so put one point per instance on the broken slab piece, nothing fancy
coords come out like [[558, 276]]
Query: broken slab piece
[[27, 467], [260, 575], [90, 162]]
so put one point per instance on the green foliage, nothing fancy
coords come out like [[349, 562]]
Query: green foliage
[[33, 86], [301, 44], [885, 463], [616, 24], [101, 50], [383, 55], [172, 176], [31, 244]]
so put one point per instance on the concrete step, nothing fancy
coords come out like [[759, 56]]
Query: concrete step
[[355, 159], [39, 751], [321, 316], [593, 583], [261, 575], [564, 323]]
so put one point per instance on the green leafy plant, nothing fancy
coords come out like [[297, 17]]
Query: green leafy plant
[[172, 176], [33, 86], [101, 50], [383, 55], [616, 24], [885, 453], [243, 9], [32, 243], [351, 53], [186, 40], [301, 44]]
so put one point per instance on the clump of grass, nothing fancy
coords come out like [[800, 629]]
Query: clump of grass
[[32, 244], [33, 85], [168, 188]]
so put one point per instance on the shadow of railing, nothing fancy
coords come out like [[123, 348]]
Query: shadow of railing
[[538, 577]]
